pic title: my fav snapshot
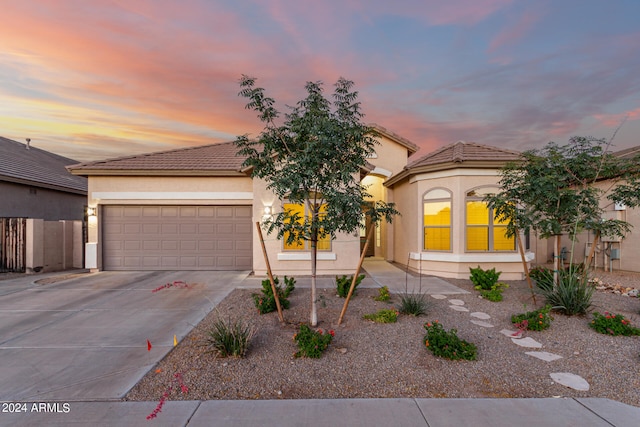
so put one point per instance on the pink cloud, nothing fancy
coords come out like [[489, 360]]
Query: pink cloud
[[617, 119], [516, 31]]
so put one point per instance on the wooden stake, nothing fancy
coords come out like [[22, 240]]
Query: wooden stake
[[524, 264], [355, 276], [273, 284], [593, 250]]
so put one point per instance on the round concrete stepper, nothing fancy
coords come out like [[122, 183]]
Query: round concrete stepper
[[458, 308], [570, 380], [480, 315], [526, 342], [482, 323], [456, 302], [511, 334]]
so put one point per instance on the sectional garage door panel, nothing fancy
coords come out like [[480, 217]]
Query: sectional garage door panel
[[177, 237]]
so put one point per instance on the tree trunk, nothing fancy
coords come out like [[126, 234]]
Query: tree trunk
[[314, 252], [556, 260]]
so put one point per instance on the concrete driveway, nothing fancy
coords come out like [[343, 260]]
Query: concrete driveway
[[85, 338]]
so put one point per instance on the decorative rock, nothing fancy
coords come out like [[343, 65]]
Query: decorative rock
[[573, 381], [481, 323], [456, 302], [543, 355], [458, 308], [633, 293], [438, 296], [480, 315], [526, 342], [341, 350]]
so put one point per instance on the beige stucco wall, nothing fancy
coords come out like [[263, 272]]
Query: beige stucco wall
[[342, 259], [53, 245], [409, 232], [629, 246]]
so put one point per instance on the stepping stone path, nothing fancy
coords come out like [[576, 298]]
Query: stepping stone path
[[566, 379]]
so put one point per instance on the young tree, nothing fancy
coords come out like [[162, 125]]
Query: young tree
[[313, 158], [553, 190]]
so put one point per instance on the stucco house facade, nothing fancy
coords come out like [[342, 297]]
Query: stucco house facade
[[197, 208]]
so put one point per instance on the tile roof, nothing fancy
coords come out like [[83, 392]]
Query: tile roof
[[395, 137], [218, 157], [461, 152], [30, 165], [628, 153]]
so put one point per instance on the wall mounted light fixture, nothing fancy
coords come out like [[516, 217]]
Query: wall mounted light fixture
[[91, 211]]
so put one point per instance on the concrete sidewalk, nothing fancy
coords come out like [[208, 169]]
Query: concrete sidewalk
[[340, 412]]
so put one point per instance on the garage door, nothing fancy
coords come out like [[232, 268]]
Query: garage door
[[177, 237]]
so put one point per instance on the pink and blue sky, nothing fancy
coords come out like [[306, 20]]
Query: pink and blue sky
[[98, 79]]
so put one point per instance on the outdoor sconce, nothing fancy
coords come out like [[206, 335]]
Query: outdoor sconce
[[91, 211], [267, 213]]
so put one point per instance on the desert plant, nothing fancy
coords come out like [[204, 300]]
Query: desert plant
[[542, 276], [484, 279], [536, 320], [415, 304], [573, 293], [495, 293], [312, 343], [612, 324], [344, 283], [229, 338], [266, 303], [447, 344], [385, 315], [383, 294]]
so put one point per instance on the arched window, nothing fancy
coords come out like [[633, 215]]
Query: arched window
[[437, 220], [484, 232]]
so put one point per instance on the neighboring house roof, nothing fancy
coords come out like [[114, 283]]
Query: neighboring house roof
[[218, 159], [28, 165], [410, 146], [457, 155], [628, 153]]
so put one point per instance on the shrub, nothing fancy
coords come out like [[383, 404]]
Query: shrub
[[536, 320], [229, 338], [344, 283], [386, 315], [612, 324], [572, 295], [312, 343], [266, 303], [415, 304], [543, 277], [484, 279], [383, 294], [495, 293], [447, 344]]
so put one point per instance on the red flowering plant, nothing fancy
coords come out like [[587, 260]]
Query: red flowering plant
[[612, 324], [537, 320], [447, 344], [312, 343]]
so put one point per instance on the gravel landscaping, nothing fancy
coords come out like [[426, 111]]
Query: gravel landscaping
[[367, 359]]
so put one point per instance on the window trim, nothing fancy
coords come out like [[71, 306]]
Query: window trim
[[490, 226], [424, 227]]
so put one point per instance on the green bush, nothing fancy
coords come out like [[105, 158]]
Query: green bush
[[266, 303], [572, 295], [447, 344], [383, 294], [612, 324], [495, 293], [344, 283], [385, 315], [415, 304], [543, 277], [484, 279], [312, 343], [536, 320], [229, 338]]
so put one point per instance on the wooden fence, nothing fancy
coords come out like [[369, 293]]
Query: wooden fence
[[12, 244]]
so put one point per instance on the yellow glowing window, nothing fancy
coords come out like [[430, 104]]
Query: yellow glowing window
[[324, 244], [437, 220], [484, 232]]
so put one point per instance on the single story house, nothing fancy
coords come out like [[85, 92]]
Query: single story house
[[35, 183], [197, 208]]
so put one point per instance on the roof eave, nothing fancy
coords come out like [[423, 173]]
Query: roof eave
[[469, 164], [155, 172], [42, 185]]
